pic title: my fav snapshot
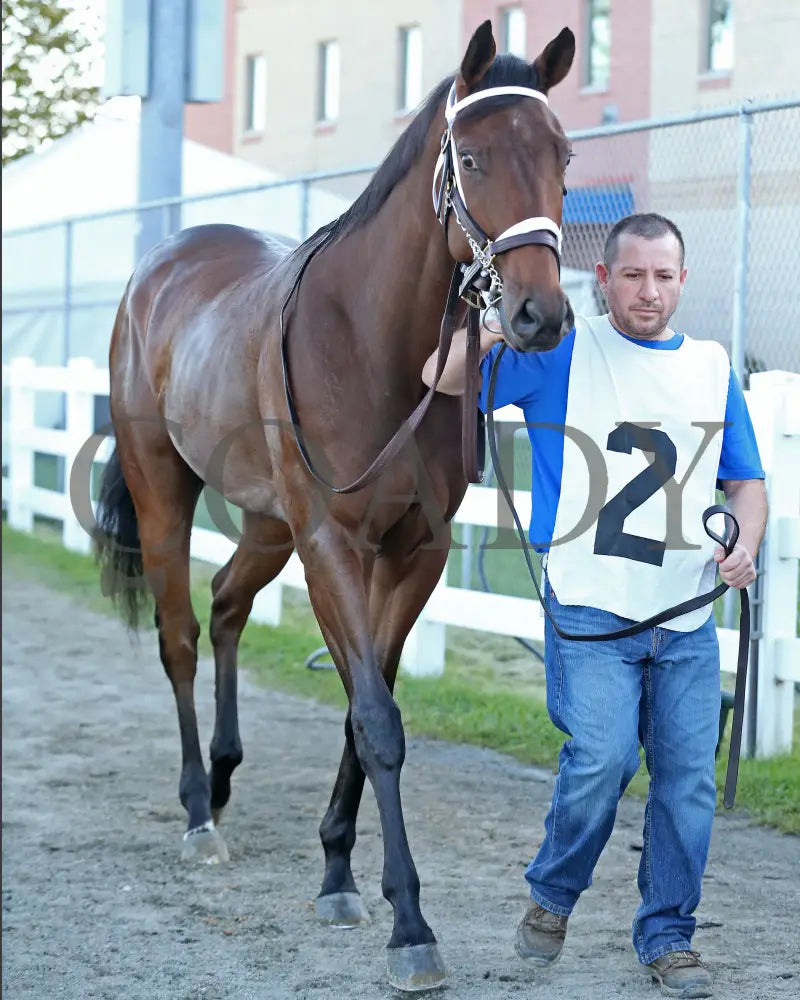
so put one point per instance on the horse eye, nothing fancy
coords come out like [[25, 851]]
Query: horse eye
[[468, 161]]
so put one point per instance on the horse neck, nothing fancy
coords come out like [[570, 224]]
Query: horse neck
[[395, 272]]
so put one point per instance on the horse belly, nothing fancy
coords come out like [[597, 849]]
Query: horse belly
[[218, 432]]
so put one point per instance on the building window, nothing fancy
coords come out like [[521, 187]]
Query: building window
[[409, 90], [597, 64], [719, 37], [513, 31], [255, 91], [328, 97]]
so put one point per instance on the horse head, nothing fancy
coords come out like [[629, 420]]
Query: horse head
[[501, 183]]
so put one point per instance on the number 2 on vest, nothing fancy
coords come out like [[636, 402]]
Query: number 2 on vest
[[610, 539]]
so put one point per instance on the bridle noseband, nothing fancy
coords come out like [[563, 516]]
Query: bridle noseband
[[448, 193]]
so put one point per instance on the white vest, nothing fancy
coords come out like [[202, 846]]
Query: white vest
[[627, 559]]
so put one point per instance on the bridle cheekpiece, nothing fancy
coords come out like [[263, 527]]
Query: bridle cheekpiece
[[482, 285]]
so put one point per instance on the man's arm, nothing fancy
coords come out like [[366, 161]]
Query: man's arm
[[454, 376], [747, 499]]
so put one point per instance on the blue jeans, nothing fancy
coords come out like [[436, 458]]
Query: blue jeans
[[661, 690]]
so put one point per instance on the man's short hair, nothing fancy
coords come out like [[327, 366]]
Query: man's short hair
[[650, 225]]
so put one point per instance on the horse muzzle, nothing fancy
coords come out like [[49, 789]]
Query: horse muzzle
[[538, 325]]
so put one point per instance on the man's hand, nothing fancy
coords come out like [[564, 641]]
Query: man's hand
[[454, 376], [488, 338], [738, 570]]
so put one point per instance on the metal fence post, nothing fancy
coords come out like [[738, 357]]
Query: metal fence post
[[468, 541], [161, 118], [67, 291], [304, 208], [739, 331]]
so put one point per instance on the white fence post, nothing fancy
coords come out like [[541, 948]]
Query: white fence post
[[80, 427], [779, 647], [268, 604], [21, 419], [424, 648], [774, 400]]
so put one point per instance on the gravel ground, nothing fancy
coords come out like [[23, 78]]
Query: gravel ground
[[96, 903]]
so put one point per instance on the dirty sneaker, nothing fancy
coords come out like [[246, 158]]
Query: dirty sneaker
[[540, 935], [681, 974]]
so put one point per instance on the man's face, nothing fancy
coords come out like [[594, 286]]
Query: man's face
[[644, 285]]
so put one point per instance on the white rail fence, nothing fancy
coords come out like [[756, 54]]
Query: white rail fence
[[774, 402]]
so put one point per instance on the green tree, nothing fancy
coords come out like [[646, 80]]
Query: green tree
[[44, 64]]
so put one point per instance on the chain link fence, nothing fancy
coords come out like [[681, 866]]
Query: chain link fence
[[728, 178]]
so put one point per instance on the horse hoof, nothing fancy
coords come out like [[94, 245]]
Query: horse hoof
[[204, 844], [419, 967], [342, 909]]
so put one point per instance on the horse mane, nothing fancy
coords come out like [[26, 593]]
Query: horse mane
[[505, 71]]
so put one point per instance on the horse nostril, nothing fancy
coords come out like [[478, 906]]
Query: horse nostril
[[531, 312], [539, 324], [528, 320]]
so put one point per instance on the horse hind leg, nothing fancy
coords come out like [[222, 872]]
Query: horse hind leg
[[164, 491], [263, 551]]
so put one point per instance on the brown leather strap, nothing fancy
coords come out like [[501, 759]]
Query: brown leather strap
[[542, 237], [392, 449], [462, 213], [471, 416], [732, 773]]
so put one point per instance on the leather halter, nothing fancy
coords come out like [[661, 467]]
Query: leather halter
[[448, 191], [481, 284]]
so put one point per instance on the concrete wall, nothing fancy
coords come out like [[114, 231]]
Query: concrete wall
[[686, 172], [621, 163], [766, 43], [578, 106], [212, 124], [288, 33]]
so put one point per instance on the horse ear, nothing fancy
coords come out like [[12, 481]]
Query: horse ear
[[553, 62], [478, 58]]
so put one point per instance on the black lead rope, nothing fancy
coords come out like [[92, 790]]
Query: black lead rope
[[685, 607]]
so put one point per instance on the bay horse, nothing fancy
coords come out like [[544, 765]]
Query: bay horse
[[225, 340]]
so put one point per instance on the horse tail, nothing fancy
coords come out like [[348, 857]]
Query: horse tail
[[117, 546]]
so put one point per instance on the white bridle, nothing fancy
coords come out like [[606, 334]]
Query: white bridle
[[452, 108]]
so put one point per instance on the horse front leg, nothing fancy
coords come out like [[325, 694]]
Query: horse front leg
[[337, 572], [401, 584]]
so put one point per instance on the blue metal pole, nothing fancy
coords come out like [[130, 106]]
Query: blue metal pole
[[161, 126]]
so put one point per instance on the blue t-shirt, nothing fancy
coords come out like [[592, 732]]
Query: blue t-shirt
[[538, 382]]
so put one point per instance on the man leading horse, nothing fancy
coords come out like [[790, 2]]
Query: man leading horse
[[662, 422]]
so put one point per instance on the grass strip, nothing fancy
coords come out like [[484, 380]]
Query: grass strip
[[474, 702]]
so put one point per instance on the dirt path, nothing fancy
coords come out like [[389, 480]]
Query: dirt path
[[97, 905]]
